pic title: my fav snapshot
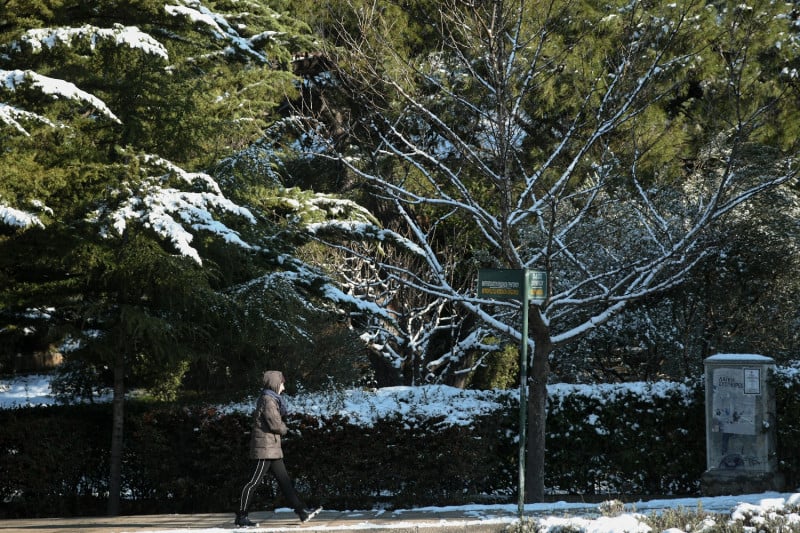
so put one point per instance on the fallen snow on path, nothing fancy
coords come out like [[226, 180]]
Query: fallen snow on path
[[555, 517]]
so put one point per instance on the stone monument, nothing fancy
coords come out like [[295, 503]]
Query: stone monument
[[740, 426]]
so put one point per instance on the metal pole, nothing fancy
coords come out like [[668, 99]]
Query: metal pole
[[523, 386]]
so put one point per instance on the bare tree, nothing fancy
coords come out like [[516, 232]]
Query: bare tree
[[419, 337], [599, 146]]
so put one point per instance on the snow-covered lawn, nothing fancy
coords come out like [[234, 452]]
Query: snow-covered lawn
[[457, 406]]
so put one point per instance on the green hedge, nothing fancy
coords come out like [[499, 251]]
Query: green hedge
[[615, 439], [787, 397], [601, 440], [53, 460]]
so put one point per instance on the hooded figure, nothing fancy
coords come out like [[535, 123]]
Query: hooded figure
[[266, 450], [268, 424]]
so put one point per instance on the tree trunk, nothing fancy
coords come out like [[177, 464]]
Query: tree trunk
[[118, 412], [537, 414]]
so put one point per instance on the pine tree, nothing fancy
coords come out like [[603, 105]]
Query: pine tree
[[116, 244]]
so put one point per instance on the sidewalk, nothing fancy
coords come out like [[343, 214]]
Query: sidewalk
[[403, 521]]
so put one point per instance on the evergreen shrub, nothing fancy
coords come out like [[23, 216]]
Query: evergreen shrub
[[54, 460], [787, 396], [614, 439]]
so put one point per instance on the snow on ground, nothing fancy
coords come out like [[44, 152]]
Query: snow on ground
[[457, 406], [25, 391]]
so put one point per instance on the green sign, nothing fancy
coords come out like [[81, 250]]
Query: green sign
[[508, 284], [500, 283]]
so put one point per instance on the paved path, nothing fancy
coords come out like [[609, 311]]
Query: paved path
[[405, 521]]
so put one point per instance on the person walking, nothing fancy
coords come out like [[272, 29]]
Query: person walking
[[266, 450]]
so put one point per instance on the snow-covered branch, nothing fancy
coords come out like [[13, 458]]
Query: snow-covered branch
[[130, 36], [14, 80]]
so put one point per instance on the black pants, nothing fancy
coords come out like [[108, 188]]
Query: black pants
[[278, 470]]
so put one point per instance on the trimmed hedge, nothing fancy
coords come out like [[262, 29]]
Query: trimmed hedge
[[53, 461], [613, 439], [608, 440], [787, 398]]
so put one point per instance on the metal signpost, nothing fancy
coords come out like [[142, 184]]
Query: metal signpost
[[527, 286]]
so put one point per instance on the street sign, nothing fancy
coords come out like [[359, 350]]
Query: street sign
[[526, 286], [500, 283], [508, 284]]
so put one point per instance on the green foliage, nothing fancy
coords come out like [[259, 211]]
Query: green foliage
[[787, 393], [162, 91], [56, 458], [655, 442], [290, 330], [156, 300], [498, 370], [75, 381], [410, 466]]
